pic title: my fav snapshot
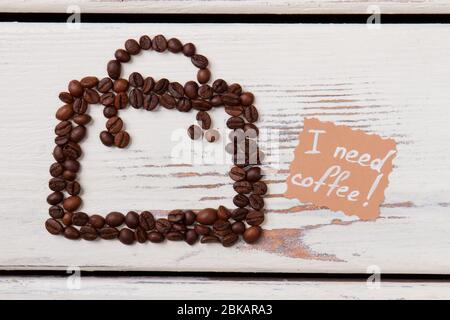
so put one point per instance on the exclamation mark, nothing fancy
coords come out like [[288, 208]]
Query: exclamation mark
[[372, 189]]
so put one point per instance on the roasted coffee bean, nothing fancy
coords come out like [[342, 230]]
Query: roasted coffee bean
[[122, 139], [54, 226], [230, 239], [176, 90], [57, 184], [88, 233], [212, 135], [203, 75], [191, 237], [254, 218], [75, 88], [56, 169], [71, 233], [122, 55], [107, 99], [184, 105], [114, 69], [58, 154], [239, 214], [259, 188], [234, 111], [252, 234], [202, 230], [179, 227], [201, 105], [114, 125], [106, 138], [159, 43], [64, 113], [67, 218], [97, 221], [194, 132], [155, 237], [238, 227], [108, 233], [221, 225], [149, 84], [256, 202], [114, 219], [145, 42], [251, 131], [167, 101], [56, 212], [73, 188], [126, 236], [235, 88], [132, 46], [72, 203], [242, 187], [235, 123], [191, 89], [223, 213], [146, 220], [65, 97], [216, 101], [210, 239], [69, 175], [207, 216], [140, 235], [120, 85], [189, 217], [136, 80], [132, 220], [82, 119], [254, 174], [189, 49], [78, 133], [240, 200], [247, 98], [151, 102], [72, 150], [136, 98], [174, 236], [80, 219], [60, 141], [105, 85], [55, 198], [121, 100], [161, 86], [220, 86], [205, 91], [251, 114], [80, 106], [199, 61], [163, 225], [174, 45], [63, 128], [91, 96], [204, 120], [237, 174], [230, 99], [176, 216]]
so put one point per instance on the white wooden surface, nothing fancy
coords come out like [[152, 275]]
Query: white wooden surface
[[228, 6], [179, 288], [393, 81]]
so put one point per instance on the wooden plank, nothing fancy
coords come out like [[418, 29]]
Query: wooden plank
[[391, 81], [178, 288], [226, 6]]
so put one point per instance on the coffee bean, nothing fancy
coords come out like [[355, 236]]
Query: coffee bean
[[230, 99], [126, 236], [122, 139], [191, 237], [56, 169], [155, 237], [252, 234], [148, 85], [72, 203], [73, 188], [65, 97], [212, 135], [78, 133], [80, 106], [132, 46], [72, 150], [235, 123], [207, 216], [159, 43], [163, 225], [161, 86], [223, 213], [107, 99], [61, 140], [64, 113], [105, 85], [89, 82], [145, 42], [82, 119], [216, 101], [121, 100], [240, 200], [67, 218], [54, 226], [238, 227], [114, 219], [221, 225], [55, 198], [151, 102], [97, 221], [210, 239], [114, 125], [57, 184], [203, 75], [122, 55], [136, 80], [189, 217], [174, 45], [235, 88], [242, 187], [75, 88], [205, 91], [254, 174], [146, 220], [234, 111], [140, 235], [203, 119], [189, 49], [108, 233], [254, 218], [80, 219], [220, 86], [56, 212], [176, 216], [136, 98], [63, 128], [58, 154], [230, 239], [202, 230], [120, 85], [201, 105], [239, 214], [71, 233], [237, 174], [167, 101], [256, 202], [247, 98], [184, 105], [107, 138], [191, 89], [176, 90], [88, 233], [199, 61], [251, 114], [114, 69], [174, 236], [179, 227], [132, 220], [69, 175], [194, 132], [259, 188]]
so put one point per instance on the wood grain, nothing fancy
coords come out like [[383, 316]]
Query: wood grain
[[391, 81]]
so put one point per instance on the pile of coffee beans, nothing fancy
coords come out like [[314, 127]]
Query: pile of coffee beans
[[209, 225]]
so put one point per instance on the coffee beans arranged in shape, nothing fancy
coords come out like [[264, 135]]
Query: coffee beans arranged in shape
[[210, 225]]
